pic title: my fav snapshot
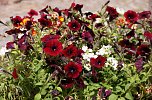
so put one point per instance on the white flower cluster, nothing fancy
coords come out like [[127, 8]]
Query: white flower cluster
[[112, 62], [105, 50], [88, 53]]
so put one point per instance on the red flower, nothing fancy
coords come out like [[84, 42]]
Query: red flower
[[53, 47], [74, 25], [148, 35], [45, 22], [16, 21], [143, 50], [14, 74], [70, 51], [72, 69], [112, 13], [98, 62], [10, 45], [67, 83], [32, 13], [131, 16], [49, 37], [144, 14]]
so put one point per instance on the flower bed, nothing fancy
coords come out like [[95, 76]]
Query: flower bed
[[73, 55]]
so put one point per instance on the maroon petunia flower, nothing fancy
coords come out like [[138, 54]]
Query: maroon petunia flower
[[13, 31], [14, 74], [49, 37], [73, 69], [32, 13], [131, 16], [87, 36], [53, 47], [131, 34], [148, 35], [56, 9], [125, 43], [98, 62], [74, 25], [143, 50], [80, 83], [67, 83], [93, 17], [44, 10], [45, 22], [70, 51], [99, 25], [16, 21], [10, 45], [144, 14], [112, 13]]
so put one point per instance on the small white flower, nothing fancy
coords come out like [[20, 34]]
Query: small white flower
[[87, 67], [98, 20], [84, 48], [20, 35], [87, 56], [105, 50], [112, 62], [3, 50], [105, 23], [120, 10]]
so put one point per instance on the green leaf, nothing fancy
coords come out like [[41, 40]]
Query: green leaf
[[59, 89], [121, 98], [129, 96], [127, 87], [113, 97], [39, 83], [37, 96]]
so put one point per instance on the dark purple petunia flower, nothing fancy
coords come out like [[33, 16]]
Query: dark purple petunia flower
[[131, 16], [139, 64], [144, 14], [87, 36], [104, 93], [55, 92]]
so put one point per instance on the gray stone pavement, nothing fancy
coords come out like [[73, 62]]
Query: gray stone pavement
[[10, 8]]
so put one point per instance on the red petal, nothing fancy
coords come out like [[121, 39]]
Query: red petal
[[14, 74]]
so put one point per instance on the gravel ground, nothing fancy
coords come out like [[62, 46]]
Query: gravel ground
[[21, 7]]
